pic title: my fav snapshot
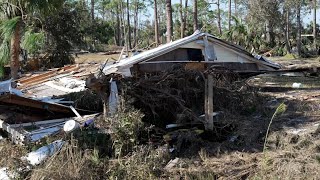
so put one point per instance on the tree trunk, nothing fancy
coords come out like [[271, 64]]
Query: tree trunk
[[15, 51], [219, 17], [122, 25], [135, 30], [315, 24], [169, 20], [195, 15], [156, 25], [92, 11], [235, 7], [299, 28], [118, 34], [124, 38], [181, 20], [129, 28], [183, 17], [229, 15], [186, 13], [268, 34], [287, 14]]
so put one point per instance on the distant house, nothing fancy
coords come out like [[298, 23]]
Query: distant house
[[199, 48]]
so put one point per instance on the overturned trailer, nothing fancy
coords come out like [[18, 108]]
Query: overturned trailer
[[198, 51]]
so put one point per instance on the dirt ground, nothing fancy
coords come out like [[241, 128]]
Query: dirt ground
[[95, 57]]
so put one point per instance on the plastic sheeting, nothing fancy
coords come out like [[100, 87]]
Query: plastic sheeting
[[113, 98], [38, 156], [4, 174], [5, 87], [209, 50]]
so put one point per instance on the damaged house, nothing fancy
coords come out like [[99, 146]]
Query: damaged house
[[163, 94], [199, 50]]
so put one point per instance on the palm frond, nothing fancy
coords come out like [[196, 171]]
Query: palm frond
[[7, 27], [4, 52], [4, 55], [43, 6], [33, 42]]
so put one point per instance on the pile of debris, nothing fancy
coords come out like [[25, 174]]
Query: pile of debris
[[30, 108], [185, 89]]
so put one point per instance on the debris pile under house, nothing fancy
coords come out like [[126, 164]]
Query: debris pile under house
[[183, 86], [176, 81]]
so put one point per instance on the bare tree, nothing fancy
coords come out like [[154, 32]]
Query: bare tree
[[129, 26], [118, 25], [287, 33], [299, 27], [195, 15], [229, 15], [183, 17], [156, 24], [235, 7], [169, 20], [315, 24], [136, 19], [219, 17], [92, 11], [181, 20]]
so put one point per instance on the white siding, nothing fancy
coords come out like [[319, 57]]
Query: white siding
[[225, 55]]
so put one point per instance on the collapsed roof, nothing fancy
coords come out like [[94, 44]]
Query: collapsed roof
[[199, 47]]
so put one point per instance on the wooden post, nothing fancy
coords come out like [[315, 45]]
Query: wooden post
[[209, 102], [206, 102]]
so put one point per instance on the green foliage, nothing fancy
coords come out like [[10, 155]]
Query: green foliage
[[4, 56], [32, 41], [7, 27], [144, 163], [238, 33], [103, 32], [281, 109], [64, 32], [125, 127], [95, 156], [45, 7]]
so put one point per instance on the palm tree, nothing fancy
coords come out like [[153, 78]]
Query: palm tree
[[242, 35], [15, 13]]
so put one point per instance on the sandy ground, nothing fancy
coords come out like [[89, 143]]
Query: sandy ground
[[95, 57]]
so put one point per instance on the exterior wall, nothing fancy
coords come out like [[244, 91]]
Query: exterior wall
[[176, 55], [225, 55], [194, 52], [180, 55]]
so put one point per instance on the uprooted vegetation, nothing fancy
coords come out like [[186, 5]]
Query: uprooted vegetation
[[135, 143]]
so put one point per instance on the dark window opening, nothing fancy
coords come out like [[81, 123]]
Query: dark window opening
[[195, 55]]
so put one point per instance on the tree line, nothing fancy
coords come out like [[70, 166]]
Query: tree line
[[254, 24]]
